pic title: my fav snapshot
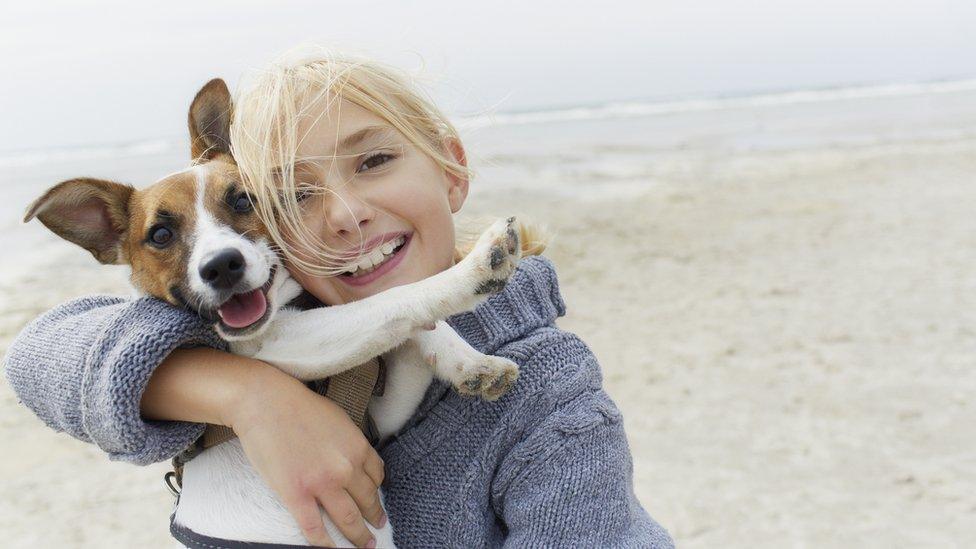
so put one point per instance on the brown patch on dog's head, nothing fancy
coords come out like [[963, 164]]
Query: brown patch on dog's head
[[229, 203], [163, 209]]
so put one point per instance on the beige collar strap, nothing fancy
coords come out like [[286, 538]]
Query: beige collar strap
[[353, 389]]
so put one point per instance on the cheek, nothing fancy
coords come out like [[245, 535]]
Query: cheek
[[156, 274], [438, 242], [299, 245], [437, 228], [252, 225], [445, 245]]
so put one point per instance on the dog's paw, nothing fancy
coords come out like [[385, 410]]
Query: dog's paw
[[495, 256], [485, 376]]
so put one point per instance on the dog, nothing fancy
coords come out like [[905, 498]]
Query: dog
[[192, 239]]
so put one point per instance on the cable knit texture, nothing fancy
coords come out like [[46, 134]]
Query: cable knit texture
[[547, 465]]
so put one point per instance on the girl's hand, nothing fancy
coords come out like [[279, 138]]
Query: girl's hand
[[310, 453]]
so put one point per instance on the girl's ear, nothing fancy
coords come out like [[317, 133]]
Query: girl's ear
[[458, 190]]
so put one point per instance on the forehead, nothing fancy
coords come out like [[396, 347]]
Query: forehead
[[330, 126], [173, 189], [180, 191]]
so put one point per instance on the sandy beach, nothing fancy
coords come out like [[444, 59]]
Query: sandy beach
[[782, 297]]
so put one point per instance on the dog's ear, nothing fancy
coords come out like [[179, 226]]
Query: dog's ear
[[209, 119], [92, 213]]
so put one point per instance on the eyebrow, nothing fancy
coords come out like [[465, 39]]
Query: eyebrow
[[362, 135], [379, 134]]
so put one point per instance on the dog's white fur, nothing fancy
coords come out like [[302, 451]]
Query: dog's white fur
[[222, 495], [210, 237]]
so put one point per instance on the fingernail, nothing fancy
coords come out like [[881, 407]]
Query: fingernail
[[383, 520], [371, 544]]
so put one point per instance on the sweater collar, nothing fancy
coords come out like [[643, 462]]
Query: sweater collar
[[529, 301]]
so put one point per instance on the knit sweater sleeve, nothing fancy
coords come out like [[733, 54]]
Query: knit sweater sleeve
[[569, 481], [578, 493], [83, 366]]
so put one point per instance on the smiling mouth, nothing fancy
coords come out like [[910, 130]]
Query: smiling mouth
[[246, 309], [376, 258], [390, 254]]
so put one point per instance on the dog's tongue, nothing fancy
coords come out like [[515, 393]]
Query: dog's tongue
[[242, 310]]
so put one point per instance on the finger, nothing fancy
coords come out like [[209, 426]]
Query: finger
[[309, 518], [346, 515], [374, 468], [367, 498]]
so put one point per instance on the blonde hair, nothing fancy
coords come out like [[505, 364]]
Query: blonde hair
[[264, 137]]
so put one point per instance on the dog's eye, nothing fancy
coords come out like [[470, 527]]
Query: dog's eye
[[242, 204], [160, 236]]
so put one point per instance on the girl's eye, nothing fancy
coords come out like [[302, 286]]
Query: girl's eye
[[160, 236], [303, 194], [242, 204], [375, 161]]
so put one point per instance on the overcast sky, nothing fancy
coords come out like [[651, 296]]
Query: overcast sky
[[89, 73]]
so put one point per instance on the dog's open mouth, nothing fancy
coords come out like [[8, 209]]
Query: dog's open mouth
[[246, 309], [242, 310]]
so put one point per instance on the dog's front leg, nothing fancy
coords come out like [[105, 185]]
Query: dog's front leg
[[455, 361], [323, 342], [329, 340]]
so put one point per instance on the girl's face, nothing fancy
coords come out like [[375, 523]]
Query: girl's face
[[371, 189]]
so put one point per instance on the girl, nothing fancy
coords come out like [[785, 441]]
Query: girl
[[339, 152]]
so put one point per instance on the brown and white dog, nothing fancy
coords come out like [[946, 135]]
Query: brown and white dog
[[193, 239]]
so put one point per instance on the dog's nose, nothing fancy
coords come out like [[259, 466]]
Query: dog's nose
[[224, 270]]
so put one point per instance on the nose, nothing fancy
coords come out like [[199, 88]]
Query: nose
[[224, 270], [347, 213]]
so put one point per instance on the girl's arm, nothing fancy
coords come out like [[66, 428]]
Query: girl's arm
[[82, 367], [86, 367], [304, 446]]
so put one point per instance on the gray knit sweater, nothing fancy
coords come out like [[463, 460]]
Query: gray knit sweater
[[546, 465]]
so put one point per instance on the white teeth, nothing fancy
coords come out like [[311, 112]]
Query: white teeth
[[368, 262], [376, 256]]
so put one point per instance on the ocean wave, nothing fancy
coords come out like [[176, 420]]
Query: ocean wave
[[73, 154], [639, 109]]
